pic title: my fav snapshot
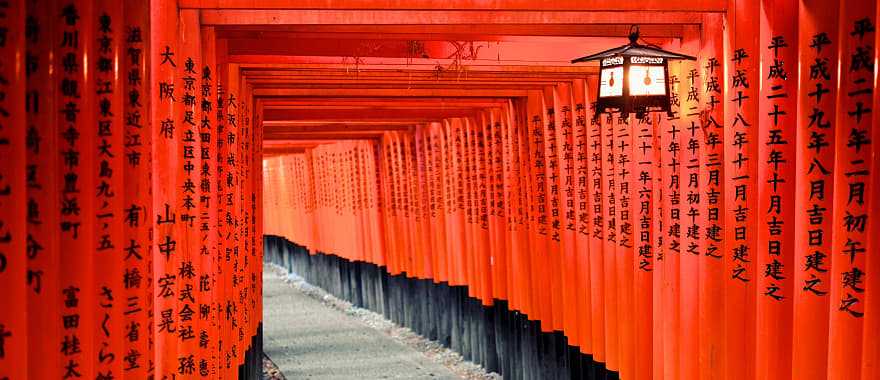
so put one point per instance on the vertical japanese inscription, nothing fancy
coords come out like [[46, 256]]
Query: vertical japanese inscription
[[137, 213], [208, 250], [107, 243], [852, 191], [777, 110], [76, 146], [188, 268], [814, 200], [854, 147], [166, 110]]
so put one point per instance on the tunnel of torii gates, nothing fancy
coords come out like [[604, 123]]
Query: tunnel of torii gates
[[440, 162]]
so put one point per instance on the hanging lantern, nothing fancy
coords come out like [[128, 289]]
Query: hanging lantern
[[633, 77]]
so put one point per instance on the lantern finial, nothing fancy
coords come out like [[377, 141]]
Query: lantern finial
[[634, 34]]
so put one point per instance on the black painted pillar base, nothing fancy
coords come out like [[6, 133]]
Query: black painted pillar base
[[252, 367], [499, 339]]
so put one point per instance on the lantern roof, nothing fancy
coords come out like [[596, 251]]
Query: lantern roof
[[634, 49]]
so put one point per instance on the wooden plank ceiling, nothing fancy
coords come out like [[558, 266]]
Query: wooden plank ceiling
[[325, 70]]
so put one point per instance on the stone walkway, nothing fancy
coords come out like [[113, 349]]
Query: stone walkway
[[310, 340]]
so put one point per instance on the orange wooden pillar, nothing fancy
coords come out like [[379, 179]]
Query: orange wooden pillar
[[596, 207], [427, 270], [625, 263], [412, 207], [13, 232], [257, 173], [644, 266], [481, 216], [390, 203], [190, 356], [253, 259], [370, 203], [235, 123], [246, 253], [357, 222], [231, 217], [312, 183], [166, 109], [740, 165], [76, 128], [517, 190], [377, 210], [486, 178], [223, 183], [386, 200], [659, 241], [568, 255], [107, 240], [852, 176], [438, 203], [777, 110], [41, 247], [137, 241], [562, 208], [607, 124], [711, 318], [472, 248], [818, 40], [317, 166], [210, 252], [467, 186], [452, 210], [355, 210], [553, 221], [582, 215], [870, 350], [499, 239], [343, 201], [458, 197], [539, 239], [500, 208], [399, 208], [483, 232], [691, 212]]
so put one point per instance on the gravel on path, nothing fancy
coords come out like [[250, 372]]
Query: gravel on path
[[310, 334]]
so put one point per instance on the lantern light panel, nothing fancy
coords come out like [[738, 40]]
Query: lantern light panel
[[633, 78]]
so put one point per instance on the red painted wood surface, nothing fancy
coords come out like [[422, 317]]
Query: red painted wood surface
[[79, 316], [815, 191], [711, 236], [208, 219], [740, 173], [852, 178], [108, 240], [870, 351], [166, 117], [43, 302], [138, 208], [730, 240], [13, 197]]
